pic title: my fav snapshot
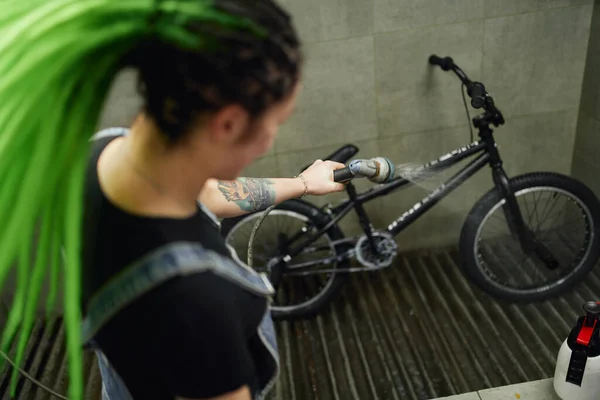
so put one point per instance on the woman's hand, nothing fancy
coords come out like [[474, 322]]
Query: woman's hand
[[319, 177]]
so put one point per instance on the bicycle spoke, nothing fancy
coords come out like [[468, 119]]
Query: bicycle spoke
[[282, 233], [528, 212], [543, 236], [559, 225], [535, 208], [527, 261], [498, 231], [488, 252], [566, 242], [545, 211], [553, 204]]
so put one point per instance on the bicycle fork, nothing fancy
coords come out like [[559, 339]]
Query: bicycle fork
[[517, 226], [518, 229]]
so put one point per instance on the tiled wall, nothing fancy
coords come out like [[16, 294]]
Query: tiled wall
[[367, 82], [587, 146]]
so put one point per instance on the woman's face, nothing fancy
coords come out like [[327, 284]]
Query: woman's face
[[256, 138]]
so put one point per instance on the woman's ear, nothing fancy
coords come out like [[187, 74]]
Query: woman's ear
[[228, 125]]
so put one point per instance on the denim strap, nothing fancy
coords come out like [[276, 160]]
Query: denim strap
[[167, 262]]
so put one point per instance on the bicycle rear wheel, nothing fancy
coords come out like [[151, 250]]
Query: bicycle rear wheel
[[297, 296], [563, 214]]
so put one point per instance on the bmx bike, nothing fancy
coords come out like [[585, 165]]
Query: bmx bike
[[549, 222]]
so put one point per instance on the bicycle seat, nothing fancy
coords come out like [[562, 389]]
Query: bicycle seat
[[341, 155]]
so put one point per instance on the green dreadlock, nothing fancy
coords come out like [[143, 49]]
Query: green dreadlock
[[57, 61]]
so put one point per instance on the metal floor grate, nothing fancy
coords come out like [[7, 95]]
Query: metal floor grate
[[417, 330], [45, 360]]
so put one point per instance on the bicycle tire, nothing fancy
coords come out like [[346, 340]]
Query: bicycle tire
[[476, 217], [314, 305]]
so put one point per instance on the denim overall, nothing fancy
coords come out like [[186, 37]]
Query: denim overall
[[164, 263]]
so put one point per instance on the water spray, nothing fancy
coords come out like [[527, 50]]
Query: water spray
[[382, 170]]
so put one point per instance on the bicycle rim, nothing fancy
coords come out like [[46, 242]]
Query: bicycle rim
[[526, 274], [292, 287]]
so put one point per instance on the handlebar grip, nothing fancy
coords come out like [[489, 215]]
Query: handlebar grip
[[435, 60], [446, 63], [477, 93], [342, 175]]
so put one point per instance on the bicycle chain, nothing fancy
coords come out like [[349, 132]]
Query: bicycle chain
[[351, 253]]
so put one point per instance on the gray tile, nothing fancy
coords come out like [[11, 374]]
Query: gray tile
[[401, 58], [330, 116], [414, 96], [586, 164], [272, 151], [590, 96], [424, 146], [536, 390], [264, 167], [122, 103], [339, 65], [320, 20], [534, 62], [495, 8], [541, 142], [338, 99], [411, 111], [393, 15]]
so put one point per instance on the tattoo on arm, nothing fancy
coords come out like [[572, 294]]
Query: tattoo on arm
[[250, 194]]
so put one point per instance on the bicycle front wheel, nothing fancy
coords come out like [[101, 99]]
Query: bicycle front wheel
[[564, 217]]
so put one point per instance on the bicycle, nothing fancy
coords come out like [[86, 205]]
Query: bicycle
[[303, 289]]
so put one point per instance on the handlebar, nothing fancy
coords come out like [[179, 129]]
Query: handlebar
[[480, 98]]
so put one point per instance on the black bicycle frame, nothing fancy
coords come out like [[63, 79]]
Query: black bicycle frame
[[442, 163], [488, 154]]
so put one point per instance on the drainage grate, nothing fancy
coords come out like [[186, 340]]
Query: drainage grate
[[421, 331], [417, 330], [46, 362]]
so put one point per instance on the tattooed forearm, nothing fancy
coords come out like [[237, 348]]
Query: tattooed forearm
[[250, 194]]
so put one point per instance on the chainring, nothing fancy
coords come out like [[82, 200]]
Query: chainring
[[386, 250]]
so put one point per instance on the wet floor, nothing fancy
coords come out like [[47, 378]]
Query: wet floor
[[417, 330]]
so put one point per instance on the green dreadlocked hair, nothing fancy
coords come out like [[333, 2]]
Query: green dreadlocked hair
[[57, 61]]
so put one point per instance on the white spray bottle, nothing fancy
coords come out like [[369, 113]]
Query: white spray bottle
[[577, 373]]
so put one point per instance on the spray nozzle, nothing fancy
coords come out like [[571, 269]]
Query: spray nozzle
[[592, 310], [378, 169]]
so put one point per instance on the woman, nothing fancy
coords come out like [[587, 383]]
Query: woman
[[169, 310]]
